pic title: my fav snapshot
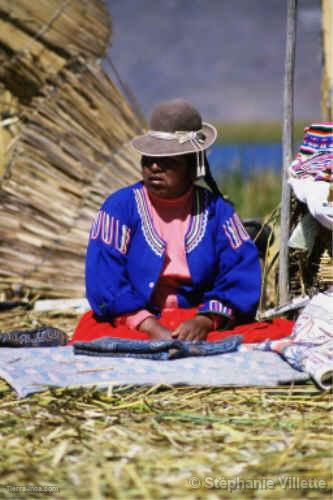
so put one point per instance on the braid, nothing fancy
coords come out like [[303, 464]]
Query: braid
[[209, 179]]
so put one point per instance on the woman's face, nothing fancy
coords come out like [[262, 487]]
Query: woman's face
[[167, 176]]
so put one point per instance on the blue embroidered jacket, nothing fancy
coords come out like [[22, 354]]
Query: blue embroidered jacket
[[125, 257]]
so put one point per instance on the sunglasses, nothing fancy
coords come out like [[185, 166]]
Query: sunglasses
[[167, 162]]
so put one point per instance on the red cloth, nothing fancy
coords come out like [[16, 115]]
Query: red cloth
[[90, 328]]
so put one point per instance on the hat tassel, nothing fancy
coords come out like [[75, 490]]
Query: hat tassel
[[201, 169]]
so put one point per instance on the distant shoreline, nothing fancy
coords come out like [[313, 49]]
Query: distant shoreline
[[256, 132]]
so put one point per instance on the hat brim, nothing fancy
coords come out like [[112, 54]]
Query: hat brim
[[153, 146]]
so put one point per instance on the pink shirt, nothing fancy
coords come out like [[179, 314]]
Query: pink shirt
[[171, 219]]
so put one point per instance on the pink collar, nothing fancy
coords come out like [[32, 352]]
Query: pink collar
[[179, 201]]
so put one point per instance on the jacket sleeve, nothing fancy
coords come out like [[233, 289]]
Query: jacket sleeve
[[236, 289], [108, 288]]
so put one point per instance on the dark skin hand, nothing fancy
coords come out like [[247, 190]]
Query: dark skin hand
[[194, 330], [154, 329]]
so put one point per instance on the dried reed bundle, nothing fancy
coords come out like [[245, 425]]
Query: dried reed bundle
[[72, 148]]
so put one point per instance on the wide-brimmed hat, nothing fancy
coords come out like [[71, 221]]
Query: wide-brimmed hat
[[175, 128]]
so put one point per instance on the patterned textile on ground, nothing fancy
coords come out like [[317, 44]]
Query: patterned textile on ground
[[162, 350], [90, 328], [310, 347], [45, 336], [60, 367]]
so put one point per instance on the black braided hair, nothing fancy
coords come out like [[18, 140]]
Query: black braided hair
[[209, 179]]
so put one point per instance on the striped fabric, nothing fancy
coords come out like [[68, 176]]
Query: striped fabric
[[198, 223], [152, 237], [318, 136], [315, 156], [319, 166], [235, 231], [110, 231], [216, 307]]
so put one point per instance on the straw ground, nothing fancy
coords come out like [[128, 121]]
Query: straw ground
[[150, 442]]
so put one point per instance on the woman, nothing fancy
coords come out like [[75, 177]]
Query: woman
[[168, 259]]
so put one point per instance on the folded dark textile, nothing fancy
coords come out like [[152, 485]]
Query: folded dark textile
[[44, 336], [155, 349]]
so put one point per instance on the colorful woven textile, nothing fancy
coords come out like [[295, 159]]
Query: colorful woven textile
[[317, 137], [318, 166], [315, 156]]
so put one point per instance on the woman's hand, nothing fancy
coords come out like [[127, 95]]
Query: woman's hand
[[154, 329], [194, 330]]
